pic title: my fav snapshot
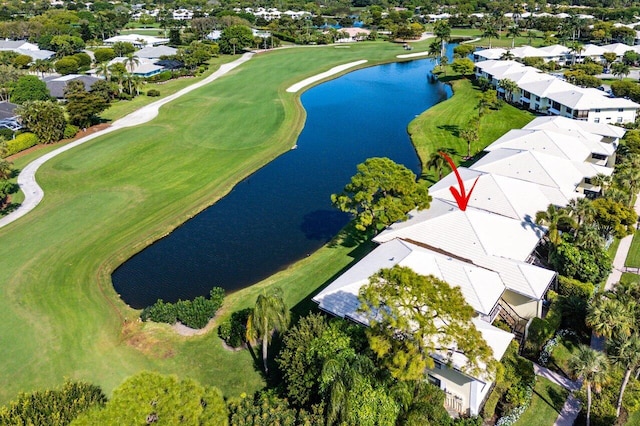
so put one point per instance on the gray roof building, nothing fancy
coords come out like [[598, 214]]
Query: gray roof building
[[56, 85]]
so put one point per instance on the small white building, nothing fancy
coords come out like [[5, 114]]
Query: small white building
[[137, 40]]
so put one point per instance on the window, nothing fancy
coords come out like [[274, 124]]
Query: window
[[619, 120], [598, 156], [555, 105], [597, 109], [620, 109], [569, 111], [596, 120], [587, 180], [434, 381], [538, 98]]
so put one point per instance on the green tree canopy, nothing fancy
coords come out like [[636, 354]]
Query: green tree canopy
[[104, 54], [463, 66], [44, 118], [412, 316], [381, 193], [152, 398], [29, 88], [234, 38], [67, 65], [82, 106], [613, 218]]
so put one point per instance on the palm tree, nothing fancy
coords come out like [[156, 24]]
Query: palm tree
[[434, 51], [576, 49], [554, 219], [339, 376], [437, 162], [513, 32], [603, 181], [582, 209], [531, 34], [130, 62], [628, 178], [588, 238], [103, 69], [509, 86], [470, 134], [507, 56], [620, 69], [489, 31], [609, 318], [233, 41], [591, 366], [269, 314], [42, 66], [626, 354]]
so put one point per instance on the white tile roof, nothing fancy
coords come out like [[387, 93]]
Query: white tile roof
[[495, 53], [591, 50], [480, 287], [543, 169], [513, 198], [585, 128], [555, 50], [618, 48], [552, 143], [154, 52], [469, 234], [528, 51]]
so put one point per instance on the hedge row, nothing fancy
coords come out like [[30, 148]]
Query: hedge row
[[541, 330], [194, 313], [21, 142], [52, 407]]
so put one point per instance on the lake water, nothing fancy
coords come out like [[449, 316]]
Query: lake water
[[283, 212]]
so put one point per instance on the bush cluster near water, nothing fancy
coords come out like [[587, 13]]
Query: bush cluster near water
[[234, 330], [194, 313]]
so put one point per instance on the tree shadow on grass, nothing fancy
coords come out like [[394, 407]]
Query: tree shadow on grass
[[451, 128], [554, 399]]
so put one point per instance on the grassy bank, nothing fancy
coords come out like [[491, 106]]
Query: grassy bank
[[440, 126], [546, 403], [109, 198]]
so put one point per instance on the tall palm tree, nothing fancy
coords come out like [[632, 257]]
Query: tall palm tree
[[269, 314], [470, 134], [434, 51], [338, 377], [582, 210], [603, 181], [130, 62], [626, 354], [489, 31], [591, 366], [103, 70], [628, 178], [554, 219], [620, 69], [576, 49], [609, 318], [588, 238], [509, 86], [513, 32], [437, 162]]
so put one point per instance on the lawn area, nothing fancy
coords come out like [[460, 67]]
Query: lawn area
[[503, 41], [440, 125], [633, 257], [109, 198], [613, 248], [630, 277], [561, 354], [546, 404], [634, 419], [121, 108]]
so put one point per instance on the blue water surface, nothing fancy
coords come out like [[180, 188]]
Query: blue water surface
[[283, 212]]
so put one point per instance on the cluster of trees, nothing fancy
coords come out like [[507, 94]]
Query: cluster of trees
[[194, 313], [6, 172]]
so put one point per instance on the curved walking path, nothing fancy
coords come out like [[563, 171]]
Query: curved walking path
[[33, 193]]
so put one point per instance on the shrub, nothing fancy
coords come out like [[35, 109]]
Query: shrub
[[21, 142], [104, 54], [70, 131], [572, 287], [84, 60], [160, 312], [539, 332], [163, 76], [5, 133], [52, 407], [233, 330], [194, 314], [153, 93], [67, 65]]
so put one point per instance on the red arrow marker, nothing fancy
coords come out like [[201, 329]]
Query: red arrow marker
[[461, 196]]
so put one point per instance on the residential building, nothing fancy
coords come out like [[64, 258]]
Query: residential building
[[57, 84], [8, 117], [544, 93], [23, 47], [138, 40]]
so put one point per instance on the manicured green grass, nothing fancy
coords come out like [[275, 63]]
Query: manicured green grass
[[157, 32], [613, 248], [546, 404], [440, 125], [121, 108], [503, 41], [634, 419], [111, 197], [561, 355], [633, 257], [630, 277]]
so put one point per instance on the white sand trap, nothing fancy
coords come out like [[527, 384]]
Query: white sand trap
[[412, 55], [335, 70]]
